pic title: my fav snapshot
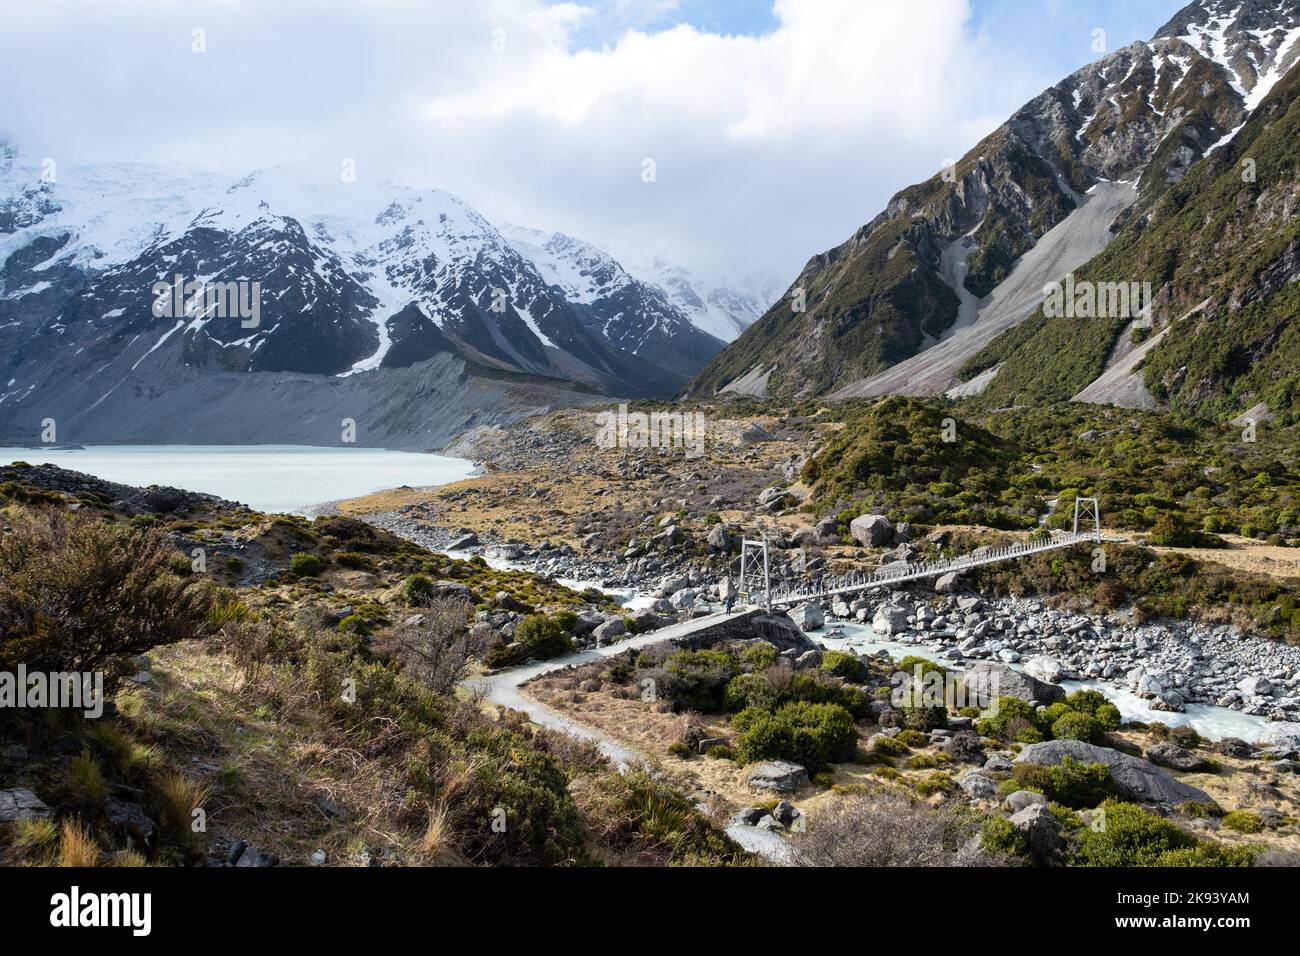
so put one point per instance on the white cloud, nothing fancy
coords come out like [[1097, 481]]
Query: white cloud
[[768, 149]]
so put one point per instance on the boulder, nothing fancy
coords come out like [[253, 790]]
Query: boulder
[[1176, 758], [781, 632], [872, 531], [611, 629], [946, 583], [19, 803], [1047, 669], [720, 539], [1017, 801], [1042, 831], [1255, 686], [977, 786], [1135, 778], [889, 620], [809, 617], [778, 776], [988, 681]]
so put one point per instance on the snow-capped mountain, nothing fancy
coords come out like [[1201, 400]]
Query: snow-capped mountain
[[634, 315], [722, 307], [910, 300], [353, 280]]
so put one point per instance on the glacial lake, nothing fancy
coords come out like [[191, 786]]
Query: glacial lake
[[276, 478]]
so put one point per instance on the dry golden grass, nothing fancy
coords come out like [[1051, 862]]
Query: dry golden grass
[[77, 846]]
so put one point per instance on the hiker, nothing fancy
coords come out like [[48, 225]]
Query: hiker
[[728, 594]]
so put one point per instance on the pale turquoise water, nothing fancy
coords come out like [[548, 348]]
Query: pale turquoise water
[[280, 478]]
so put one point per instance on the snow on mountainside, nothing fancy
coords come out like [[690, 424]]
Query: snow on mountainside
[[907, 303], [355, 281], [636, 316], [724, 308]]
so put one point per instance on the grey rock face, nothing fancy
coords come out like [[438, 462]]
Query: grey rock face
[[990, 681], [809, 617], [778, 776], [19, 803], [1135, 779], [872, 531]]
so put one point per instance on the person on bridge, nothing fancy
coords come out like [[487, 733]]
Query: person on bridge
[[727, 591]]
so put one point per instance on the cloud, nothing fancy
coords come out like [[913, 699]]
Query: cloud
[[767, 148]]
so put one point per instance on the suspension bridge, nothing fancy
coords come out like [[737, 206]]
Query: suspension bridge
[[755, 571]]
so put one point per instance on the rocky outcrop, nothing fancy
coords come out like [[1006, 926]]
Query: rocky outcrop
[[1135, 778]]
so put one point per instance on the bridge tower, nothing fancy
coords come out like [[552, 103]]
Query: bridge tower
[[755, 572], [1087, 511]]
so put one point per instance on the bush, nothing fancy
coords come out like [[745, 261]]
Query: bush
[[813, 735], [884, 828], [890, 746], [306, 565], [697, 679], [1133, 837], [1069, 783], [758, 657], [1001, 836], [536, 636], [749, 690], [1094, 704], [842, 664], [78, 594], [1243, 821], [1077, 726], [680, 749], [417, 590]]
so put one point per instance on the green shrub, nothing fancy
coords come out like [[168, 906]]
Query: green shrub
[[1077, 726], [938, 782], [1133, 837], [536, 636], [1070, 783], [1000, 835], [758, 657], [306, 565], [79, 594], [1243, 821], [814, 735], [749, 690], [890, 747], [417, 590], [697, 679], [354, 560], [720, 752], [913, 738], [842, 664], [681, 749]]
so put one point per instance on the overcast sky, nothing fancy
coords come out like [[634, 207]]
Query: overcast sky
[[775, 128]]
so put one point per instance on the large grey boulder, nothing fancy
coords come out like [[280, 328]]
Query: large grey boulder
[[778, 776], [1046, 669], [889, 620], [20, 803], [1176, 758], [872, 531], [1042, 831], [988, 680], [1135, 778], [720, 539], [809, 616], [611, 629]]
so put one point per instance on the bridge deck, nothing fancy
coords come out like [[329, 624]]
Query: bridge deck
[[930, 569]]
